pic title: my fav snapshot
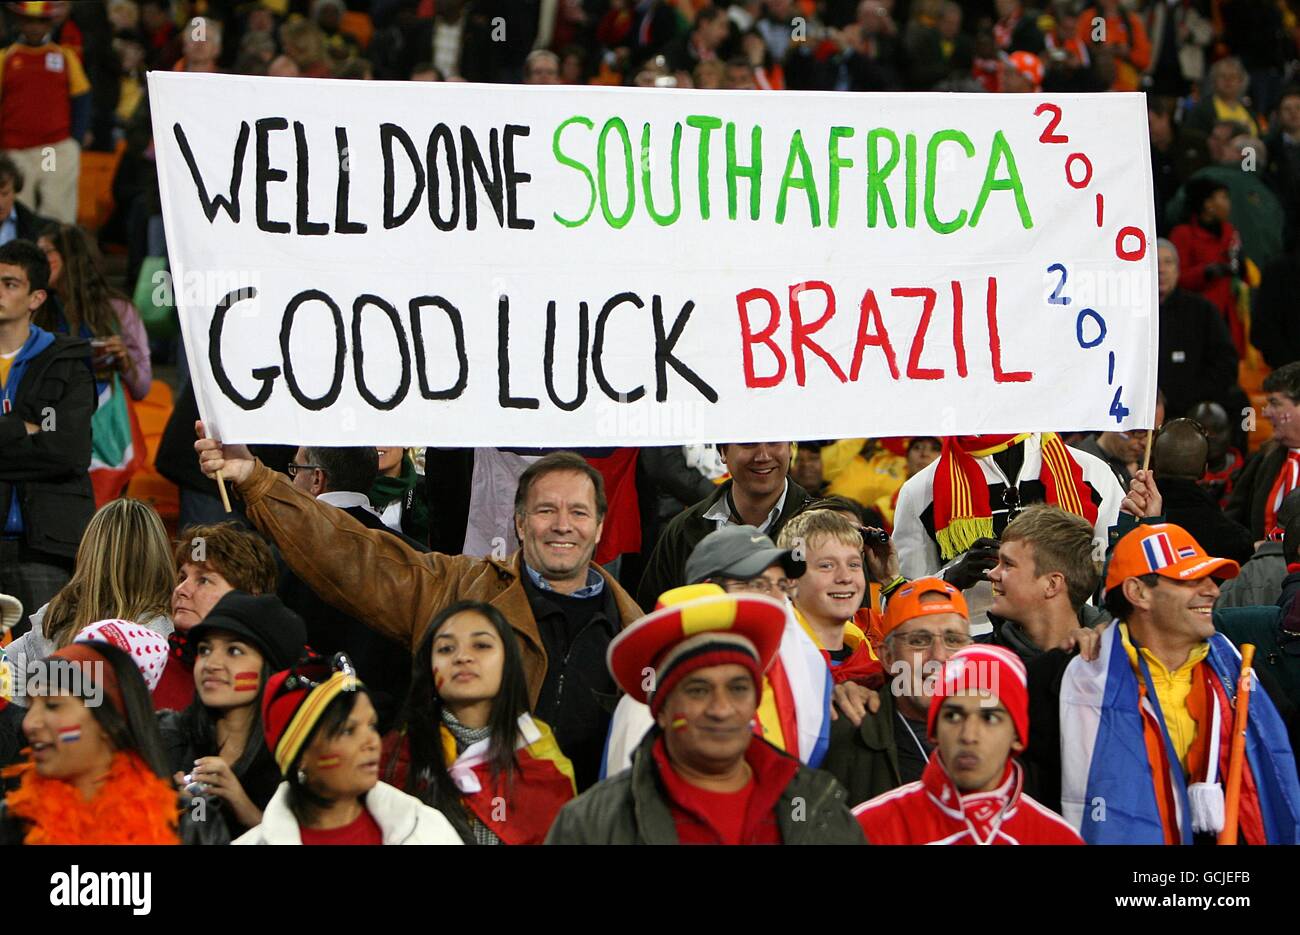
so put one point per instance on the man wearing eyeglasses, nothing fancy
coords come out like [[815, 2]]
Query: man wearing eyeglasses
[[342, 477], [925, 622]]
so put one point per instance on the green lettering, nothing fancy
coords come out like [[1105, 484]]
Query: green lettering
[[753, 171], [998, 151], [805, 181], [837, 163], [574, 164], [705, 125], [909, 199], [613, 220], [877, 193], [663, 220], [931, 165]]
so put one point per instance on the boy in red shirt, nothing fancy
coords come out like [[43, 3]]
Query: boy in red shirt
[[44, 113], [971, 790]]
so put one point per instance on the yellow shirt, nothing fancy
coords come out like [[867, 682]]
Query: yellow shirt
[[1172, 689], [6, 361], [1236, 112], [866, 481]]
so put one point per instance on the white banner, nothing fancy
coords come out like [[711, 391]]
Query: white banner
[[451, 264]]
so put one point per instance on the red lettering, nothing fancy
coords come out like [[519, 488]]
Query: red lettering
[[799, 331], [867, 338], [749, 338], [914, 370], [1123, 252], [995, 341], [1049, 134], [958, 339]]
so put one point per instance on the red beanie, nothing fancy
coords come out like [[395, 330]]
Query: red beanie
[[985, 669]]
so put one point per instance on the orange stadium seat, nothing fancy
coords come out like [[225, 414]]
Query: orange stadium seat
[[153, 412], [359, 25], [95, 186]]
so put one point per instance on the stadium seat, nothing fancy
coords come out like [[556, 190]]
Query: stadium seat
[[359, 25], [153, 412], [95, 186]]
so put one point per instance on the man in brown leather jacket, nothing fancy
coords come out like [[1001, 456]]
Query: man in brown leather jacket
[[564, 608]]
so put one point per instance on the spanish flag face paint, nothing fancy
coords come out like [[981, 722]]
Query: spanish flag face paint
[[329, 762], [247, 681], [678, 723]]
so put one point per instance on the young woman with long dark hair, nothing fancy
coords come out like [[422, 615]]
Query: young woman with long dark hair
[[322, 728], [466, 743], [216, 746], [98, 771]]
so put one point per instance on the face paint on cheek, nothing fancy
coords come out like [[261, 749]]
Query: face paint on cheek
[[678, 722], [69, 734], [328, 762], [247, 681], [438, 680]]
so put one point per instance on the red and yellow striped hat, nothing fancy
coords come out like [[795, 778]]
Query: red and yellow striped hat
[[294, 701], [692, 627]]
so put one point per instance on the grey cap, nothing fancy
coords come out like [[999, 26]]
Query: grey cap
[[738, 552]]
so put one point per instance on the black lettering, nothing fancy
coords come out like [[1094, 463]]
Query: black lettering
[[514, 179], [229, 203], [306, 228], [341, 223], [664, 352], [266, 374], [598, 349], [358, 370], [286, 328], [548, 359], [472, 160], [267, 175], [453, 315], [387, 133], [442, 133], [504, 399]]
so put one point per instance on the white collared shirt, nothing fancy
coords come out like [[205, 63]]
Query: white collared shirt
[[346, 499], [720, 512]]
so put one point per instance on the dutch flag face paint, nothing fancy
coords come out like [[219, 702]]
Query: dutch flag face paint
[[69, 734]]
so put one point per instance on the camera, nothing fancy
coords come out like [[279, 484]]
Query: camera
[[873, 537]]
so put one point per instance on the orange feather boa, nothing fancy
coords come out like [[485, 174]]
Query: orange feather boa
[[133, 806]]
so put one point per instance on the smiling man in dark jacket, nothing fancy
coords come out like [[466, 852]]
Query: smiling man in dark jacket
[[47, 396], [759, 494]]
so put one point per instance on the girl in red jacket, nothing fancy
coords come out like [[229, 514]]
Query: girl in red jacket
[[1209, 252]]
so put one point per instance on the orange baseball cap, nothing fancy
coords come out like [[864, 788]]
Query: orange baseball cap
[[905, 603], [1166, 550]]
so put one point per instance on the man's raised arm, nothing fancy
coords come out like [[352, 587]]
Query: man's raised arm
[[369, 574]]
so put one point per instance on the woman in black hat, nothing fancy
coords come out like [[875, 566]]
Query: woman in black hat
[[216, 746]]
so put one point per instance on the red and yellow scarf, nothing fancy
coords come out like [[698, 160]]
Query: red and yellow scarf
[[962, 512]]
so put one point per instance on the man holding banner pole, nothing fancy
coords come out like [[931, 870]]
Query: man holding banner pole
[[564, 608]]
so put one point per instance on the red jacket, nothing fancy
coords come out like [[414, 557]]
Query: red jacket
[[932, 811], [1198, 248]]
